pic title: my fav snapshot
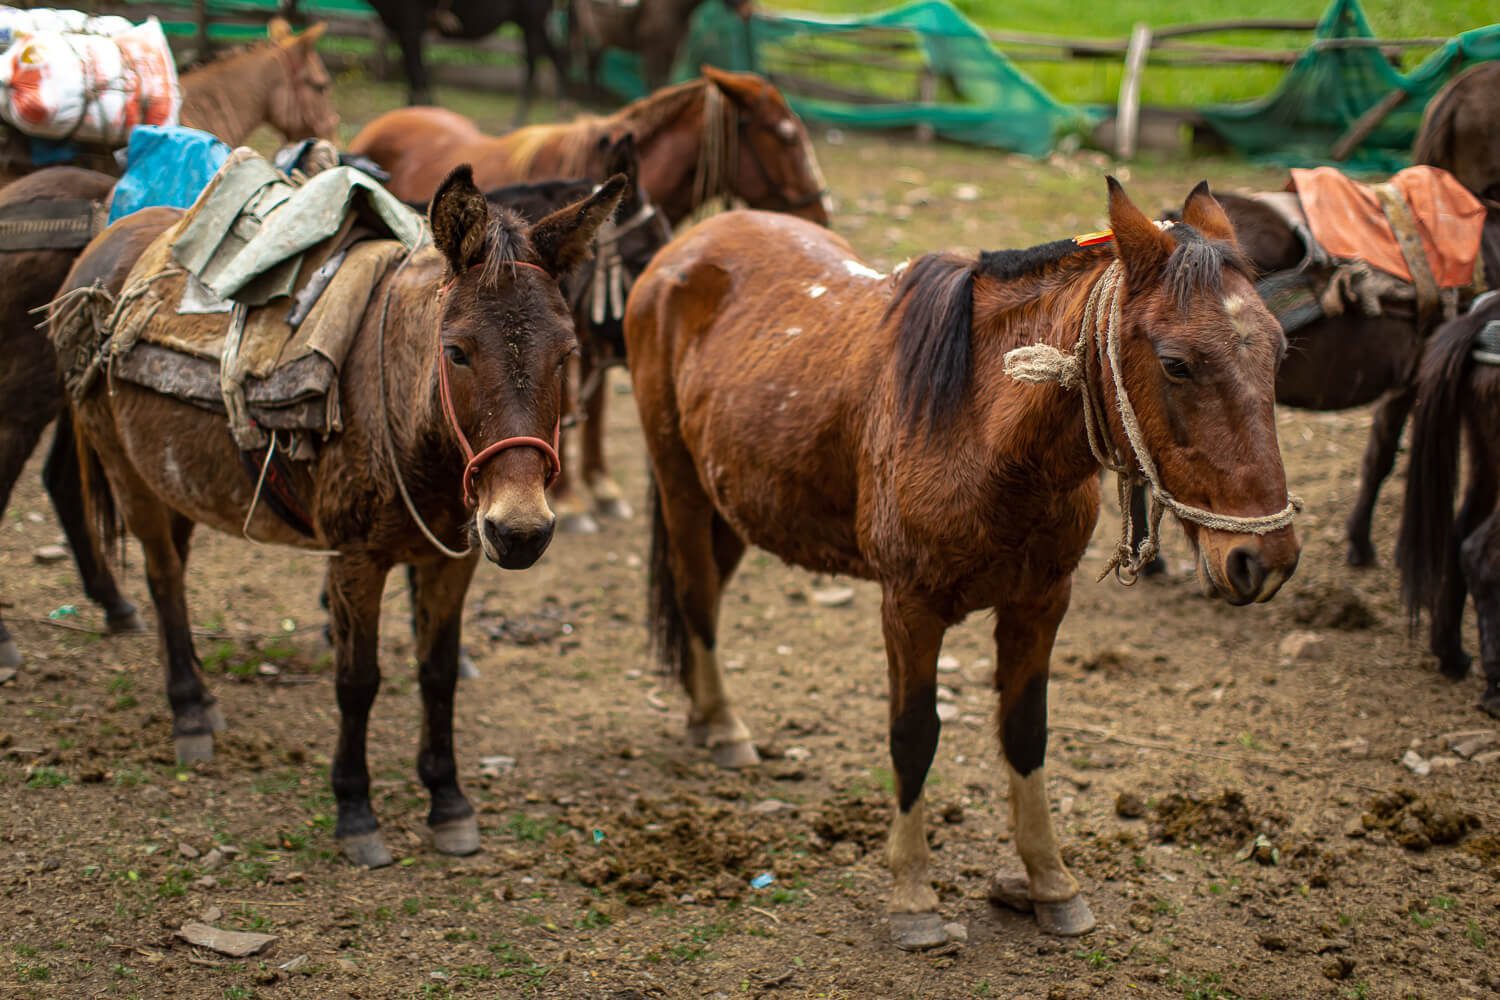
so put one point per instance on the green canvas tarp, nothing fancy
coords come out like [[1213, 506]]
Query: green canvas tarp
[[979, 98], [1328, 89]]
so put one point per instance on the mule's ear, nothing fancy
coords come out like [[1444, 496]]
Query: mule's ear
[[460, 219], [622, 158], [309, 38], [742, 88], [564, 239], [1203, 212], [1140, 243], [278, 30]]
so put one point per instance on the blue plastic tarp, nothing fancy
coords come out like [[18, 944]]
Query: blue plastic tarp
[[167, 165]]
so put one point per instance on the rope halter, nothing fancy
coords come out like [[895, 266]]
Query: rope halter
[[1098, 343]]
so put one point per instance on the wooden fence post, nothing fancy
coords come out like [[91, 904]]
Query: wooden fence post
[[1128, 114], [927, 86]]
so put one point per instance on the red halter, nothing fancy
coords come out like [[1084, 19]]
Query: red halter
[[554, 464]]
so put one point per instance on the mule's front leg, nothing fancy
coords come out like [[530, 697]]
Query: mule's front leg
[[913, 637], [354, 587], [609, 499], [1024, 633], [438, 592], [1480, 554], [1379, 458]]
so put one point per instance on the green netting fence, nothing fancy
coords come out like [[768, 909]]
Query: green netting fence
[[1328, 89], [872, 68]]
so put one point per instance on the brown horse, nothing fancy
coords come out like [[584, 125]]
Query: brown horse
[[722, 135], [463, 343], [1443, 559], [655, 29], [795, 399], [1458, 131], [280, 82]]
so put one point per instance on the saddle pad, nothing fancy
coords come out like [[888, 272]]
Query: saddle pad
[[1347, 219], [53, 224]]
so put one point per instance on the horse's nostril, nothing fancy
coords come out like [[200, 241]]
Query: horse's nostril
[[1244, 570], [517, 547]]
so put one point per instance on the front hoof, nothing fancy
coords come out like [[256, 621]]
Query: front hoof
[[613, 508], [577, 523], [733, 756], [457, 836], [1070, 918], [366, 850], [1455, 666], [125, 622], [195, 748], [1361, 554], [10, 654], [1490, 703], [918, 931]]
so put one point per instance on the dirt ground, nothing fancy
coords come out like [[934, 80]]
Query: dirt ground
[[1243, 824]]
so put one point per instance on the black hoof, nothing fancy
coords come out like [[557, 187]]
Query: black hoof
[[1156, 567], [1455, 666], [1361, 554], [124, 621]]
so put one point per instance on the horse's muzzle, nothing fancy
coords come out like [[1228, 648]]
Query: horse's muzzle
[[1251, 569], [515, 546]]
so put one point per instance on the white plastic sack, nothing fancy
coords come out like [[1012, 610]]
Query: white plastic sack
[[90, 87], [16, 23]]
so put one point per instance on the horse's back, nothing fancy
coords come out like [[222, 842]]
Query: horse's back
[[417, 146], [57, 182]]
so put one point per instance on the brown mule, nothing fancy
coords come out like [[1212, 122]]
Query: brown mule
[[464, 343], [794, 399], [281, 82], [723, 134]]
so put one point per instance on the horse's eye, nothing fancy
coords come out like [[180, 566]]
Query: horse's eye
[[1177, 369], [456, 355]]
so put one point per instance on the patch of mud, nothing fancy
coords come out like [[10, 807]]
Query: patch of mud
[[548, 622], [863, 821], [1325, 605], [1188, 819], [1418, 823]]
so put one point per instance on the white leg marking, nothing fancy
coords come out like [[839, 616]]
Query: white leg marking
[[1036, 840], [911, 891]]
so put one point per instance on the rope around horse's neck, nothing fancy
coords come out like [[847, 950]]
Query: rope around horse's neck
[[1098, 345], [385, 421]]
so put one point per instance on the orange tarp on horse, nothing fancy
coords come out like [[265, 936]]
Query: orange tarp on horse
[[1346, 217]]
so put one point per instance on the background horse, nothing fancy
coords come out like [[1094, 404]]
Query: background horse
[[720, 136], [408, 21], [654, 29], [281, 82], [483, 312], [790, 401], [1443, 559], [1458, 131]]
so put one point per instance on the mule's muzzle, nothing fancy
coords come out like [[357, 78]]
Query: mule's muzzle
[[515, 546]]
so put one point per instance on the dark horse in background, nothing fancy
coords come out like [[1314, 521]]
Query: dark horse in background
[[1443, 559], [408, 21], [1352, 360]]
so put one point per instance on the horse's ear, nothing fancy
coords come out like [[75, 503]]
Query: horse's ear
[[742, 88], [1140, 243], [1203, 212], [309, 38], [563, 239], [278, 30], [460, 219]]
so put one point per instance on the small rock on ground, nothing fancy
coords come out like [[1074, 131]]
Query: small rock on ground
[[1304, 647], [49, 554]]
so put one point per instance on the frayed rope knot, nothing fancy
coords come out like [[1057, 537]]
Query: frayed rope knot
[[1044, 363]]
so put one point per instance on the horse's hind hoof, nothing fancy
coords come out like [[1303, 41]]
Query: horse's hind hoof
[[195, 748], [613, 509], [367, 850], [1490, 703], [10, 654], [1360, 554], [577, 523], [1455, 668], [124, 622], [1070, 918], [917, 931], [733, 756], [457, 836]]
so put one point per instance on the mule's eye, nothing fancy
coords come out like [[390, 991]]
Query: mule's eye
[[1177, 369], [456, 354]]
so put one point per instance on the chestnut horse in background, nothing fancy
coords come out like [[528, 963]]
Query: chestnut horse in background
[[280, 82], [465, 343], [795, 399], [719, 136], [1443, 559]]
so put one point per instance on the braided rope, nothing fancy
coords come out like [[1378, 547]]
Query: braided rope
[[1099, 344]]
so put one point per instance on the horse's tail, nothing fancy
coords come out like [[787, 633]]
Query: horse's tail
[[669, 635], [98, 500], [1432, 472]]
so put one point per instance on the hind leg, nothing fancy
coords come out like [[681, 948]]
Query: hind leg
[[1480, 555], [18, 438], [701, 554], [355, 583], [65, 486], [1446, 635], [1379, 459], [439, 588], [573, 516], [1024, 633]]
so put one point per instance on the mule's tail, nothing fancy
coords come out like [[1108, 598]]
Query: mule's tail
[[98, 500], [669, 634], [1422, 547]]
